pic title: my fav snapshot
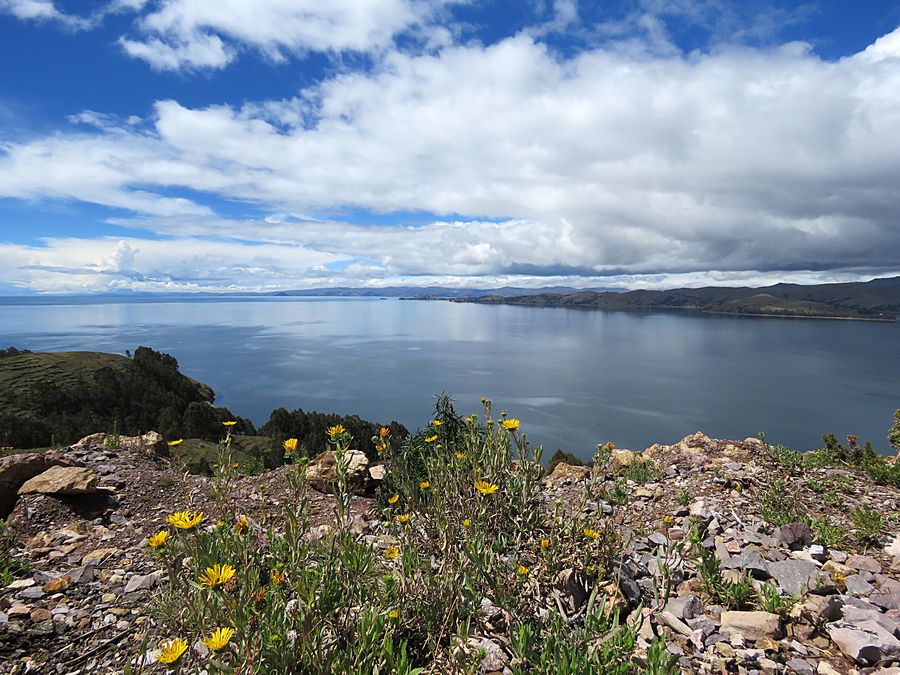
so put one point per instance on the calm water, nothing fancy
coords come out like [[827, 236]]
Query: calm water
[[574, 377]]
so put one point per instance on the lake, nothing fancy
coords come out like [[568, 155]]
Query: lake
[[574, 377]]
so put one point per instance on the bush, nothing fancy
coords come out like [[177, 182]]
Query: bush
[[463, 524], [560, 457]]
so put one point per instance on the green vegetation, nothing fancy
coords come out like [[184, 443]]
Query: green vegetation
[[869, 524], [11, 566], [310, 428], [733, 594], [48, 398], [853, 457], [562, 457], [643, 472], [465, 534]]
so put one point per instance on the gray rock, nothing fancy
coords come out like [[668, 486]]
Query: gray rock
[[856, 585], [795, 536], [750, 560], [856, 615], [886, 600], [571, 587], [687, 607], [141, 582], [864, 562], [794, 576], [865, 642], [800, 667]]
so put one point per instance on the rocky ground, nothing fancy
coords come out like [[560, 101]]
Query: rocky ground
[[82, 516]]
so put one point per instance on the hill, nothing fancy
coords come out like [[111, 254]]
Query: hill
[[48, 398], [876, 300]]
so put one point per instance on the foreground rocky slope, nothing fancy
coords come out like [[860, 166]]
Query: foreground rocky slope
[[712, 514]]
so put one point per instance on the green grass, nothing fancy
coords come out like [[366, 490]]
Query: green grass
[[11, 566], [252, 454], [21, 373]]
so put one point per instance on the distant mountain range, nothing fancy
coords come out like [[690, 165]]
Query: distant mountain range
[[876, 300], [435, 292]]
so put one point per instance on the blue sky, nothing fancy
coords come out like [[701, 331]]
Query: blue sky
[[182, 145]]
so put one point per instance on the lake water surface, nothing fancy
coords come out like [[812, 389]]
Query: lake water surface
[[574, 377]]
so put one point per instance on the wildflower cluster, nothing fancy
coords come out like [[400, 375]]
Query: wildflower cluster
[[461, 522]]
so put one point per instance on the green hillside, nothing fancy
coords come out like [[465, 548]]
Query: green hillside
[[48, 398]]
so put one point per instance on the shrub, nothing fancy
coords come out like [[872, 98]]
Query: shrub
[[560, 457], [462, 523]]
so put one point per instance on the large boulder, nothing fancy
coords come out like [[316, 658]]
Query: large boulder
[[866, 642], [17, 469], [621, 460], [751, 625], [568, 473], [321, 473], [151, 442], [62, 480]]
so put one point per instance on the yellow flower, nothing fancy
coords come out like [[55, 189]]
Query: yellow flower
[[184, 520], [277, 577], [235, 465], [290, 445], [840, 578], [380, 447], [403, 517], [178, 441], [460, 455], [384, 432], [668, 520], [241, 525], [472, 419], [511, 424], [172, 650], [393, 499], [424, 485], [486, 488], [394, 614], [591, 534], [466, 522], [392, 553], [219, 638], [436, 423], [217, 575], [545, 543], [431, 439], [335, 431], [521, 570], [229, 423], [158, 539]]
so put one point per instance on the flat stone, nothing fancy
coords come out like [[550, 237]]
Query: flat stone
[[141, 582], [40, 614], [20, 583], [687, 607], [96, 556], [800, 667], [794, 576], [61, 480], [886, 601], [864, 562], [58, 584], [866, 642], [750, 560], [856, 585], [751, 625], [31, 593]]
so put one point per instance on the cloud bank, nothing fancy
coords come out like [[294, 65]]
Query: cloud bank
[[501, 163]]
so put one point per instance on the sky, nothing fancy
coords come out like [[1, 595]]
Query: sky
[[259, 145]]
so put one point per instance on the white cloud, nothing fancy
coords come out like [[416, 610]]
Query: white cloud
[[42, 10], [744, 160], [194, 34]]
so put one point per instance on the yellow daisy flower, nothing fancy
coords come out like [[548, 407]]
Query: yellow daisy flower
[[177, 441], [431, 439], [335, 431], [403, 517], [290, 446], [591, 534], [393, 499], [218, 638], [158, 539], [217, 575], [172, 650], [392, 553], [424, 485], [511, 424], [183, 520], [486, 488]]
